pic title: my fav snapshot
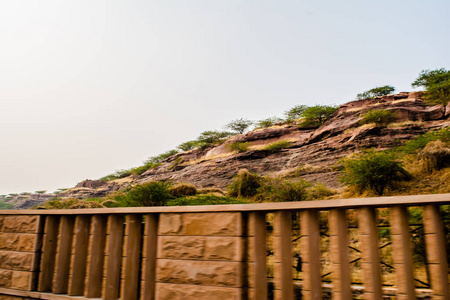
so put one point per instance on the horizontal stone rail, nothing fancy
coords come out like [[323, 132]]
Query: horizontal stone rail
[[215, 252]]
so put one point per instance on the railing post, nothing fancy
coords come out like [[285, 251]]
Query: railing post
[[113, 257], [96, 257], [310, 254], [149, 254], [402, 253], [339, 253], [79, 256], [47, 266], [282, 267], [258, 277], [436, 251], [370, 263], [130, 284], [63, 256]]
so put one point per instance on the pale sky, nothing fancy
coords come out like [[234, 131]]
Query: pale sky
[[89, 87]]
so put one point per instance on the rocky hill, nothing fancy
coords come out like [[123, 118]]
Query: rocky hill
[[312, 153]]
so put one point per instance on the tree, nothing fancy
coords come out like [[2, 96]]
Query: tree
[[295, 113], [189, 145], [437, 86], [212, 136], [239, 125], [374, 170], [317, 115], [376, 92]]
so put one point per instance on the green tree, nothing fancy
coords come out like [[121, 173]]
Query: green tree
[[374, 170], [189, 145], [376, 92], [239, 125], [265, 123], [437, 86], [380, 117], [295, 113], [317, 115], [211, 136]]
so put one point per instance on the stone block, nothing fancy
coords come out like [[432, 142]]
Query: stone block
[[222, 224], [224, 248], [17, 223], [5, 278], [20, 261], [17, 242], [8, 297], [21, 280], [170, 224], [213, 273], [192, 292]]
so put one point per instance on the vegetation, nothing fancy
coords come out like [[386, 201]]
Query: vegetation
[[189, 145], [5, 205], [277, 146], [203, 200], [209, 137], [437, 86], [315, 116], [373, 170], [239, 125], [182, 190], [245, 184], [269, 122], [70, 204], [295, 113], [435, 156], [376, 92], [238, 146], [418, 143], [381, 117], [154, 193]]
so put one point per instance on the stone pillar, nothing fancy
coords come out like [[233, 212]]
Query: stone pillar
[[19, 242], [199, 256]]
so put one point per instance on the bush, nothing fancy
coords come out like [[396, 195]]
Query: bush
[[70, 204], [295, 113], [435, 156], [238, 146], [211, 137], [4, 205], [269, 122], [319, 191], [278, 190], [245, 184], [203, 200], [154, 193], [376, 92], [422, 140], [189, 145], [437, 85], [239, 125], [380, 117], [373, 170], [315, 116], [277, 146], [183, 189]]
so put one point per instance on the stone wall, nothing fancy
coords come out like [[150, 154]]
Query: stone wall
[[19, 245], [200, 256]]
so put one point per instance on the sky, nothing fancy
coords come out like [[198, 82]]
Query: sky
[[90, 87]]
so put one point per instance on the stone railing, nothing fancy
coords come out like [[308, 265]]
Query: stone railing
[[219, 252]]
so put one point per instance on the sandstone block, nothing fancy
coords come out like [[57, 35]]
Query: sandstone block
[[224, 248], [8, 297], [25, 224], [17, 242], [192, 292], [199, 272], [21, 280], [20, 261], [223, 224], [170, 224], [5, 278]]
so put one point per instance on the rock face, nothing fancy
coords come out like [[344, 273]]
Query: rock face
[[312, 154]]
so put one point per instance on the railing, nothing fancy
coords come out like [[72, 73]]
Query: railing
[[209, 252]]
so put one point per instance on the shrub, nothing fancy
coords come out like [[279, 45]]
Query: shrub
[[155, 160], [238, 146], [278, 190], [269, 122], [203, 200], [245, 184], [239, 125], [70, 204], [277, 146], [211, 137], [5, 205], [376, 92], [380, 117], [154, 193], [435, 156], [317, 115], [183, 189], [319, 191], [295, 113], [189, 145], [412, 146], [373, 170], [437, 85]]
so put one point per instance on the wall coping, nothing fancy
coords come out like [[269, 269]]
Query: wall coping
[[413, 200]]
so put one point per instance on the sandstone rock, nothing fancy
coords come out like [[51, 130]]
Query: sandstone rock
[[192, 292], [11, 260], [5, 278], [17, 242], [92, 184], [25, 224]]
